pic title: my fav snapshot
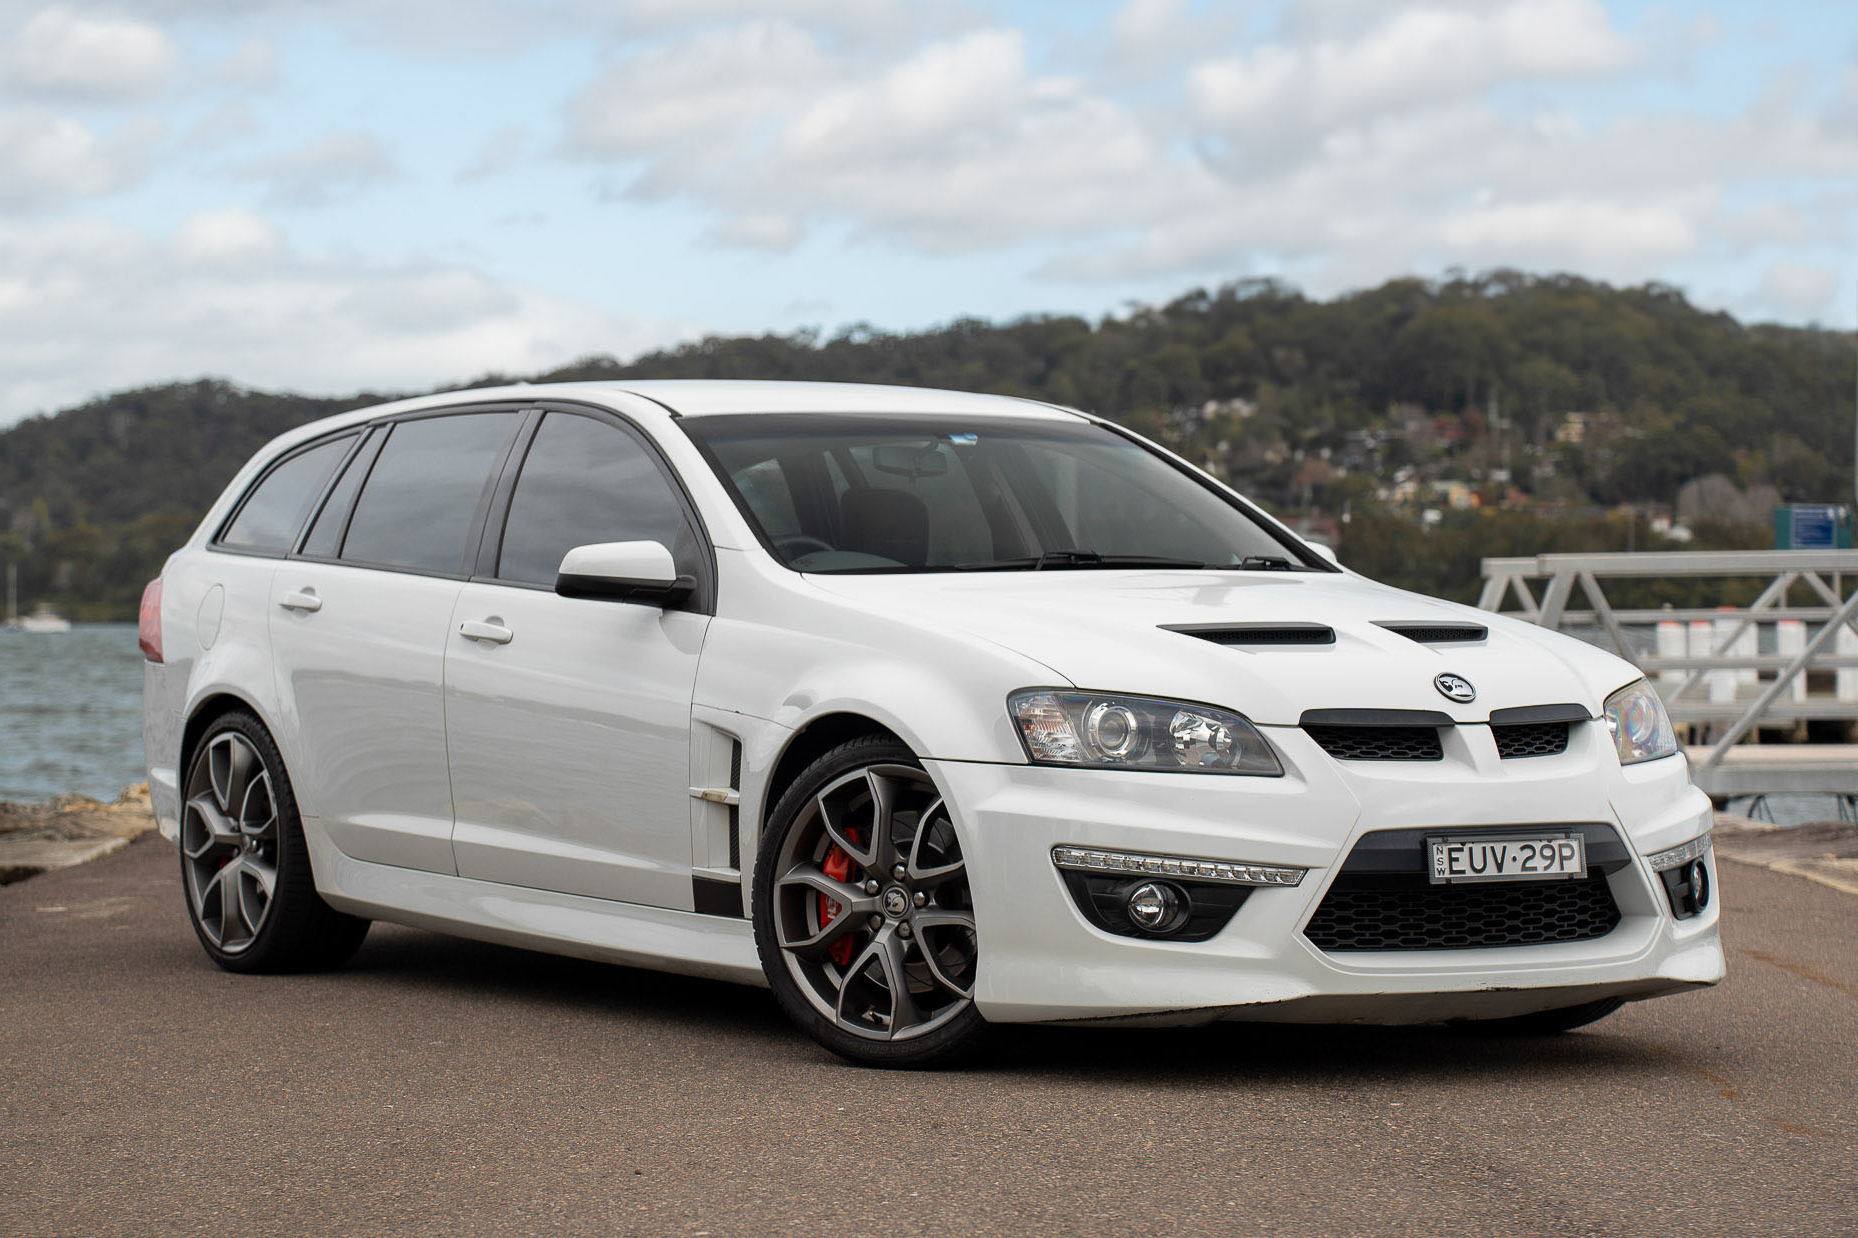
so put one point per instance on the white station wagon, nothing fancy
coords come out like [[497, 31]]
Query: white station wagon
[[927, 710]]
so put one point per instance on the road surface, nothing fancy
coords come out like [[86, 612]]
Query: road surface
[[439, 1086]]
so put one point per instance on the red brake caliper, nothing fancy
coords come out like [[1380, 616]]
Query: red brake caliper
[[838, 866]]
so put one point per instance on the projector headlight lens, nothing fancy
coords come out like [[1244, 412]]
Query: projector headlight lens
[[1641, 729], [1094, 730]]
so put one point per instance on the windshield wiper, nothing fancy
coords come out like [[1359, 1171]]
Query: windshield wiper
[[1064, 559], [1266, 563]]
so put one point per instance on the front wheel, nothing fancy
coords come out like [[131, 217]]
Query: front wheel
[[863, 916]]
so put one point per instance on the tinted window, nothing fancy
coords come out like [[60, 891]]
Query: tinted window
[[585, 481], [415, 509], [275, 509], [326, 532]]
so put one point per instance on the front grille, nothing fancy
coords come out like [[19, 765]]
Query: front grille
[[1407, 912], [1379, 743], [1531, 739]]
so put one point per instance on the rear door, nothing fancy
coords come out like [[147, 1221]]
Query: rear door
[[359, 630], [569, 722]]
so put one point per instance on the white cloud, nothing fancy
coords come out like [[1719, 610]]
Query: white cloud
[[89, 306], [46, 158], [1415, 56], [332, 166], [61, 52]]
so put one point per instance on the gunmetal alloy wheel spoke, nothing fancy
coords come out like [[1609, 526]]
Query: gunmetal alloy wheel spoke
[[864, 854], [923, 875], [854, 906], [230, 762], [929, 922], [885, 955], [883, 811], [216, 829], [257, 811], [263, 875], [253, 900]]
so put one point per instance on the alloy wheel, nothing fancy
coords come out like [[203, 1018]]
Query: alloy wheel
[[229, 840], [871, 905]]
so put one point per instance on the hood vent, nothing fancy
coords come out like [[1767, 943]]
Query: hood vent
[[1257, 634], [1435, 633]]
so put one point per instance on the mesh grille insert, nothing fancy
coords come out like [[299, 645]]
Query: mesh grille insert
[[1364, 913], [1531, 739], [1438, 633], [1262, 634], [1379, 743]]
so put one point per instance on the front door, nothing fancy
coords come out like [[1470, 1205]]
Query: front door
[[569, 719]]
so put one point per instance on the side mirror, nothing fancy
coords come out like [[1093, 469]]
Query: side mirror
[[1325, 552], [623, 572]]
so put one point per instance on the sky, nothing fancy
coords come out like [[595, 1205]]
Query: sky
[[395, 195]]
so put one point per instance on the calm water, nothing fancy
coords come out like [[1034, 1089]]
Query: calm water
[[70, 712], [71, 719]]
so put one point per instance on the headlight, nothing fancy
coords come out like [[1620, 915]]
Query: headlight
[[1641, 729], [1093, 730]]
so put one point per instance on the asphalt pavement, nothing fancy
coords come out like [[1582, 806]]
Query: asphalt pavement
[[438, 1086]]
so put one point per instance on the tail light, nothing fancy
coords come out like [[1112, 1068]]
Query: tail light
[[148, 622]]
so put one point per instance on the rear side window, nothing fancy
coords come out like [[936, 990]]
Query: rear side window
[[275, 508], [585, 481], [416, 507]]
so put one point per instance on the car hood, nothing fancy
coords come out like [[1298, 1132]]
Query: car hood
[[1109, 631]]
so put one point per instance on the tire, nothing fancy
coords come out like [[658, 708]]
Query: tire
[[902, 903], [1546, 1022], [239, 832]]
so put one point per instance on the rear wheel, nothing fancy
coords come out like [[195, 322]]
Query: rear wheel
[[862, 911], [1547, 1022], [245, 867]]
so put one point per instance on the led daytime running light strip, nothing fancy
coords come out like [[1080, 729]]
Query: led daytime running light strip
[[1681, 854], [1089, 859]]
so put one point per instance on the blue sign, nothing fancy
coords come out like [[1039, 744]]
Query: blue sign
[[1815, 528]]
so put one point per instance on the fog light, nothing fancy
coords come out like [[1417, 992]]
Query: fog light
[[1699, 885], [1154, 906]]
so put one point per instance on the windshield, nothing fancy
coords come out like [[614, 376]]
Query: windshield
[[897, 493]]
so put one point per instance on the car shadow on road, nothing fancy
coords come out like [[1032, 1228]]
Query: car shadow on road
[[1231, 1052]]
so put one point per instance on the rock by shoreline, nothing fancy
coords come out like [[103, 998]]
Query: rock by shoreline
[[68, 830]]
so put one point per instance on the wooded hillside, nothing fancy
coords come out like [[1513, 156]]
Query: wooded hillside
[[1500, 414]]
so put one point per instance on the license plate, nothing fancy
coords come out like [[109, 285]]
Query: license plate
[[1507, 859]]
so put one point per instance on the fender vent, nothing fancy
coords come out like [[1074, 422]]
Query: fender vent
[[1245, 634], [1436, 633]]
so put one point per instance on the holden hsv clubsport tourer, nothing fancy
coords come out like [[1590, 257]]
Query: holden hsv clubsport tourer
[[927, 710]]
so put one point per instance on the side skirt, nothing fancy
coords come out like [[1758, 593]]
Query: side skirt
[[712, 947]]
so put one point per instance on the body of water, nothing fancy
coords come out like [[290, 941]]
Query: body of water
[[70, 712], [71, 720]]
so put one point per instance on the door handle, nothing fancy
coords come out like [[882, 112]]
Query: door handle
[[302, 600], [488, 630]]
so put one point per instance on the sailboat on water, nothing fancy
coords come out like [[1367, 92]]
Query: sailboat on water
[[42, 619]]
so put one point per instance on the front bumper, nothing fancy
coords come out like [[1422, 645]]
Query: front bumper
[[1042, 961]]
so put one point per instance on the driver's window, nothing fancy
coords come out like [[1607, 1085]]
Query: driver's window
[[587, 481]]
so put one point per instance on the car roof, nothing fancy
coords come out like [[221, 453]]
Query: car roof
[[700, 398], [710, 397]]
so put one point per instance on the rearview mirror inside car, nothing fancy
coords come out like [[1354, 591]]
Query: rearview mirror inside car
[[911, 460]]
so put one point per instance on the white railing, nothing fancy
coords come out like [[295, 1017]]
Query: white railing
[[1706, 662]]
